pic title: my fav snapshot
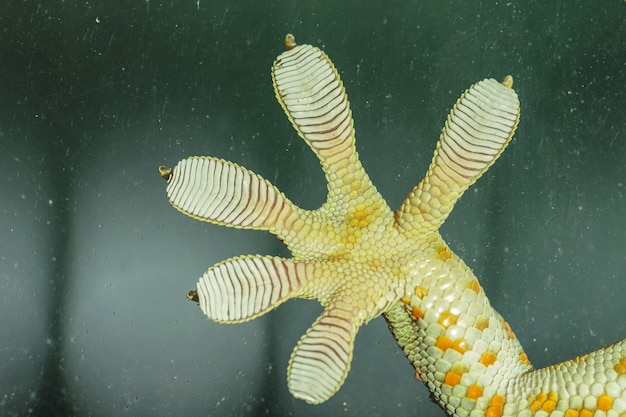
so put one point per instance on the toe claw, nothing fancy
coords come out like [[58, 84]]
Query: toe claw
[[165, 172]]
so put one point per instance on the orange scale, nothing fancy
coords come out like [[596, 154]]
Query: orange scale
[[460, 345], [474, 391], [444, 343], [620, 367], [534, 406], [548, 406], [493, 412], [452, 378], [605, 402], [417, 313], [488, 358], [495, 409], [420, 291], [524, 358], [497, 400], [482, 323], [508, 329], [447, 319]]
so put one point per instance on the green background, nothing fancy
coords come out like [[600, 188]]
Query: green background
[[94, 263]]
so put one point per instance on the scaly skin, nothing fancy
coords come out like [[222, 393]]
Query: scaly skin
[[360, 259]]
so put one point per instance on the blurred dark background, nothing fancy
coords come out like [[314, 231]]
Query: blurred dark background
[[95, 264]]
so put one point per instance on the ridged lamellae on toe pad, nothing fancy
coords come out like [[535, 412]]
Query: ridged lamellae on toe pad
[[359, 259]]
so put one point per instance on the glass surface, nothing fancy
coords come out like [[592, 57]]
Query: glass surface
[[95, 264]]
